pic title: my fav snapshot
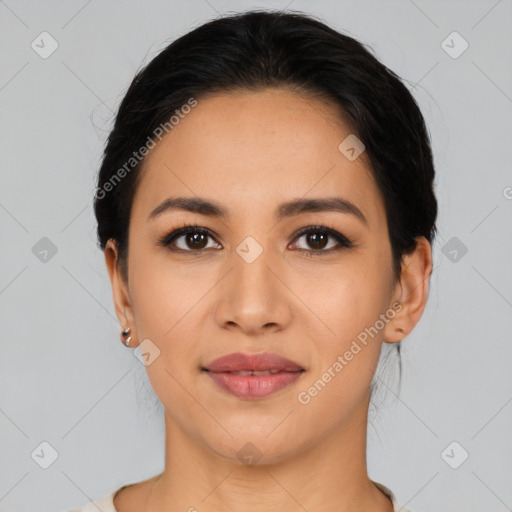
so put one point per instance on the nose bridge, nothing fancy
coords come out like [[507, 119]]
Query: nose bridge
[[253, 283], [251, 296]]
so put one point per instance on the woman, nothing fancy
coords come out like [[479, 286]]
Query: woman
[[266, 209]]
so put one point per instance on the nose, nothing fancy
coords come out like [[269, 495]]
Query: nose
[[253, 298]]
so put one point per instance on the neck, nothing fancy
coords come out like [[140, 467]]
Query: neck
[[330, 474]]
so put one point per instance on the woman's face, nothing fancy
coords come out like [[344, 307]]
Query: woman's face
[[251, 284]]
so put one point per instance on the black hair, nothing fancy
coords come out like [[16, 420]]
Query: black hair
[[259, 49]]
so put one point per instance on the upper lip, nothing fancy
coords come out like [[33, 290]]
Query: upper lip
[[247, 362]]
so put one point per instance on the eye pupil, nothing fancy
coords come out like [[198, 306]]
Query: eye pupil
[[317, 240]]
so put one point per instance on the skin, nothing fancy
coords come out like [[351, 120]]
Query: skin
[[249, 152]]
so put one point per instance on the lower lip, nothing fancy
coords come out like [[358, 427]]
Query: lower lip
[[253, 386]]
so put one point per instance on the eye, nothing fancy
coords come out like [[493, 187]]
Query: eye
[[194, 238], [190, 238], [323, 240]]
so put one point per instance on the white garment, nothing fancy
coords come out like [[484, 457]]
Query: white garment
[[106, 503]]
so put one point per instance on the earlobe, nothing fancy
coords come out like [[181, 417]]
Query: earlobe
[[411, 291]]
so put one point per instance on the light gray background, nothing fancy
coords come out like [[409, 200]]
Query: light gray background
[[66, 378]]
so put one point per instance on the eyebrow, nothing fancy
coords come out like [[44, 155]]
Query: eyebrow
[[295, 207]]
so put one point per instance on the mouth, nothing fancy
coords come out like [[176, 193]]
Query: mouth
[[252, 376]]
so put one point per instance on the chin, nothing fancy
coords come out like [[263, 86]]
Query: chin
[[253, 447]]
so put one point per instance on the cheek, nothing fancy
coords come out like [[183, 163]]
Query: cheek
[[167, 298], [347, 350], [162, 292], [346, 296], [349, 305], [164, 313]]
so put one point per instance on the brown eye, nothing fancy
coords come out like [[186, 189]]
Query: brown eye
[[188, 239], [320, 239], [196, 240], [317, 240]]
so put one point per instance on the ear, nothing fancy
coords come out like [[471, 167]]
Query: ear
[[411, 291], [120, 290]]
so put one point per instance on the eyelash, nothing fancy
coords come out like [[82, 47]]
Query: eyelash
[[343, 241]]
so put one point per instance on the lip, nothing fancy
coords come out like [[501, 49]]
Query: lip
[[250, 386], [248, 362]]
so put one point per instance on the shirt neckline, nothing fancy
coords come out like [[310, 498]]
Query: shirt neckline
[[108, 501]]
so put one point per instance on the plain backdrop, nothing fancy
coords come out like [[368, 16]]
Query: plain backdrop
[[74, 399]]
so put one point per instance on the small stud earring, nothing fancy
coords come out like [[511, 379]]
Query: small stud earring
[[125, 333], [400, 329]]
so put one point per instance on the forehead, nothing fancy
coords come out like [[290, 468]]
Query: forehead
[[257, 149]]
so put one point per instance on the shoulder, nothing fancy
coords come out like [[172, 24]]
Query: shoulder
[[396, 506], [130, 496], [105, 504]]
